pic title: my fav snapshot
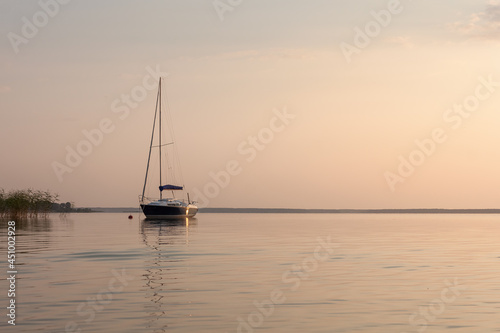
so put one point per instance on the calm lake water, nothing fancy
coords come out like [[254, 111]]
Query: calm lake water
[[256, 273]]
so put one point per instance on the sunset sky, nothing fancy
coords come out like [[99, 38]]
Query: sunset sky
[[311, 104]]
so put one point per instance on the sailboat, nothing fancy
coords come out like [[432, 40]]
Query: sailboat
[[164, 207]]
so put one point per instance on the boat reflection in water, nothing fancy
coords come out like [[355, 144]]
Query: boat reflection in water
[[164, 267]]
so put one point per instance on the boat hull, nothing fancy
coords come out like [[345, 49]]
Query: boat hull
[[168, 212]]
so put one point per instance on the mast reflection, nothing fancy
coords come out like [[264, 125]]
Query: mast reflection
[[166, 239]]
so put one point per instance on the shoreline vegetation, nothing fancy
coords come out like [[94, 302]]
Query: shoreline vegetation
[[21, 204]]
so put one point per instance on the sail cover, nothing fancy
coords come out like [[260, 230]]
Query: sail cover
[[170, 187]]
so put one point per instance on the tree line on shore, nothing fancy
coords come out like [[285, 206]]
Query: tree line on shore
[[18, 204]]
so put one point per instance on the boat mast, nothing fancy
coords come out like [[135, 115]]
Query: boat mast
[[151, 144], [159, 132]]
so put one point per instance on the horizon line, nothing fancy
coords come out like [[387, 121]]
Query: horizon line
[[323, 210]]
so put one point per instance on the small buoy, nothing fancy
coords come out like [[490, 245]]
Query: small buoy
[[130, 217]]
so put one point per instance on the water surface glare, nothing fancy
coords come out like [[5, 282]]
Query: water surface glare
[[101, 272]]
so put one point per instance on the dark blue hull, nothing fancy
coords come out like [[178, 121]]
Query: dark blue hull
[[165, 212]]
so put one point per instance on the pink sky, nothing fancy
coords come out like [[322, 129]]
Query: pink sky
[[303, 105]]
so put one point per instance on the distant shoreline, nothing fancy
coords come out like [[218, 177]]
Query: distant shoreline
[[311, 211]]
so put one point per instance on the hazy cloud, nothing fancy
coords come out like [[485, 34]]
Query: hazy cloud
[[404, 41], [485, 24], [129, 76], [5, 89], [267, 54]]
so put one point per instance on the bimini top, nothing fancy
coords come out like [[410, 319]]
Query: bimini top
[[171, 187]]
